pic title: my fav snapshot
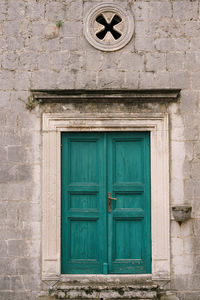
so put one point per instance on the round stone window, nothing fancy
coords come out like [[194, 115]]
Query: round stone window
[[108, 27]]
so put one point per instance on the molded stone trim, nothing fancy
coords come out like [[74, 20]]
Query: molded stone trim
[[53, 125], [125, 27], [143, 95]]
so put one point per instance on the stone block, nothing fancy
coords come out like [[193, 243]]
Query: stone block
[[7, 266], [7, 172], [197, 150], [55, 11], [191, 133], [144, 44], [180, 79], [28, 61], [197, 264], [72, 28], [192, 61], [74, 10], [177, 186], [189, 101], [185, 10], [3, 44], [160, 10], [4, 283], [196, 80], [3, 249], [72, 43], [16, 248], [5, 99], [169, 297], [61, 60], [131, 80], [35, 10], [143, 29], [16, 283], [131, 61], [16, 10], [94, 60], [32, 282], [22, 80], [12, 212], [182, 265], [141, 10], [174, 61], [146, 80], [30, 212], [180, 282], [187, 165], [195, 170], [51, 45], [27, 266], [8, 231], [37, 29], [192, 28], [10, 295], [67, 80], [196, 227], [155, 62], [193, 282], [165, 44], [22, 172], [195, 44], [192, 296], [11, 28], [192, 245], [161, 79], [107, 79], [33, 43], [195, 201], [3, 9], [182, 44], [14, 43], [16, 154], [44, 61], [31, 229], [3, 154], [86, 80], [44, 80], [6, 80], [177, 246]]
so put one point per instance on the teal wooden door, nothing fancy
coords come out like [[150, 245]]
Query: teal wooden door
[[96, 239]]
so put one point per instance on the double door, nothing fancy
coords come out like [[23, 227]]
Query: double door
[[105, 219]]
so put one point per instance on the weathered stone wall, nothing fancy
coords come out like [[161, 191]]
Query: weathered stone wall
[[164, 53]]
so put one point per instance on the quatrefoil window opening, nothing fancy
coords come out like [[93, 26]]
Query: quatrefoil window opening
[[108, 26]]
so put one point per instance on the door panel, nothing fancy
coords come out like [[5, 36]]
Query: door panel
[[93, 239], [129, 219], [84, 248]]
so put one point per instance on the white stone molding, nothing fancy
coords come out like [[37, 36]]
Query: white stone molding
[[108, 10], [157, 125]]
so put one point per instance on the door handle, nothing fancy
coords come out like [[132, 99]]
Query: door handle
[[109, 201]]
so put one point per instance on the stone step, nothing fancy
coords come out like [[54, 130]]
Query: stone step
[[112, 289]]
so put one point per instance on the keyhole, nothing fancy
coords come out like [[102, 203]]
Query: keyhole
[[108, 27]]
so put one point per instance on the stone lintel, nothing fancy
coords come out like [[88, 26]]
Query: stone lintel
[[114, 95]]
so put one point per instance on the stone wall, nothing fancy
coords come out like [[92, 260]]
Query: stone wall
[[35, 54]]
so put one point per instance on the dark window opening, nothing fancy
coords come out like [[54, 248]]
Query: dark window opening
[[108, 27]]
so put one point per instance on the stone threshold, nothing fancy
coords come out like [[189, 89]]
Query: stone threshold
[[114, 95], [105, 287]]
